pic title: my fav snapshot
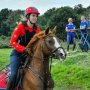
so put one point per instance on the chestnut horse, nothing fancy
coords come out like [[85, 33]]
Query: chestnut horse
[[41, 46]]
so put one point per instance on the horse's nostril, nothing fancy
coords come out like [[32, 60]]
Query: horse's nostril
[[53, 54], [61, 54]]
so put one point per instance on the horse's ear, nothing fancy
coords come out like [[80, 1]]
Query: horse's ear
[[47, 31], [54, 30]]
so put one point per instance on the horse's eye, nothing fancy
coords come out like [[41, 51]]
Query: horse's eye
[[51, 41]]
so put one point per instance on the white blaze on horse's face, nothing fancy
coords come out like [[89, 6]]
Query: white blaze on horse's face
[[56, 42], [60, 53]]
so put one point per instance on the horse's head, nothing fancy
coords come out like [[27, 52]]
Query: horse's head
[[47, 41], [51, 45]]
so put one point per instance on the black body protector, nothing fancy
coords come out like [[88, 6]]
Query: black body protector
[[24, 40]]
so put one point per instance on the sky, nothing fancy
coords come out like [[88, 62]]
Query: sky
[[41, 5]]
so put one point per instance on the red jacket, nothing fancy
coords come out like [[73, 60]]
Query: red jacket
[[20, 31]]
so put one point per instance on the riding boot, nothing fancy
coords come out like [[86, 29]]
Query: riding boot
[[10, 85], [74, 47], [67, 47]]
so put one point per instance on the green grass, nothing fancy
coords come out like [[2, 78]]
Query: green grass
[[71, 77], [71, 74], [4, 57]]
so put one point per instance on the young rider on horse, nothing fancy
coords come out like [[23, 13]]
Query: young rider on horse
[[20, 37]]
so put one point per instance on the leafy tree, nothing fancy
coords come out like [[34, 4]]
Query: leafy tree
[[79, 9]]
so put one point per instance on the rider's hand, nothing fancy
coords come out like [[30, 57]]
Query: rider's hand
[[25, 53]]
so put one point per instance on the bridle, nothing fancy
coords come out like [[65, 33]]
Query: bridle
[[51, 52]]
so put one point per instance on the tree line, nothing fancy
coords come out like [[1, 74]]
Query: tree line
[[51, 18]]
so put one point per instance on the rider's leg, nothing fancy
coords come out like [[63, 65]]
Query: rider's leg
[[14, 65]]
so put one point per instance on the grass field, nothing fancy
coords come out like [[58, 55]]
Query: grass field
[[4, 57], [71, 74]]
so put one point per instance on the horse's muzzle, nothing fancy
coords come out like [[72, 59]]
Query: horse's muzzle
[[60, 54]]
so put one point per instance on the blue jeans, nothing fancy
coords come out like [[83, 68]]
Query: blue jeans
[[88, 39], [84, 39], [71, 38], [15, 62]]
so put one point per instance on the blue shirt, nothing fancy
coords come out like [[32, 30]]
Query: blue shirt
[[70, 27], [88, 23], [83, 25]]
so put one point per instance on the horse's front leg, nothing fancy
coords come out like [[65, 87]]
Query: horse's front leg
[[50, 84]]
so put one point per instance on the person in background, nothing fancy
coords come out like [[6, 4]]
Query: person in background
[[83, 34], [88, 27], [21, 36], [88, 23], [70, 29]]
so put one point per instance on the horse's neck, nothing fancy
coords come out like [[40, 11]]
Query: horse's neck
[[37, 60]]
